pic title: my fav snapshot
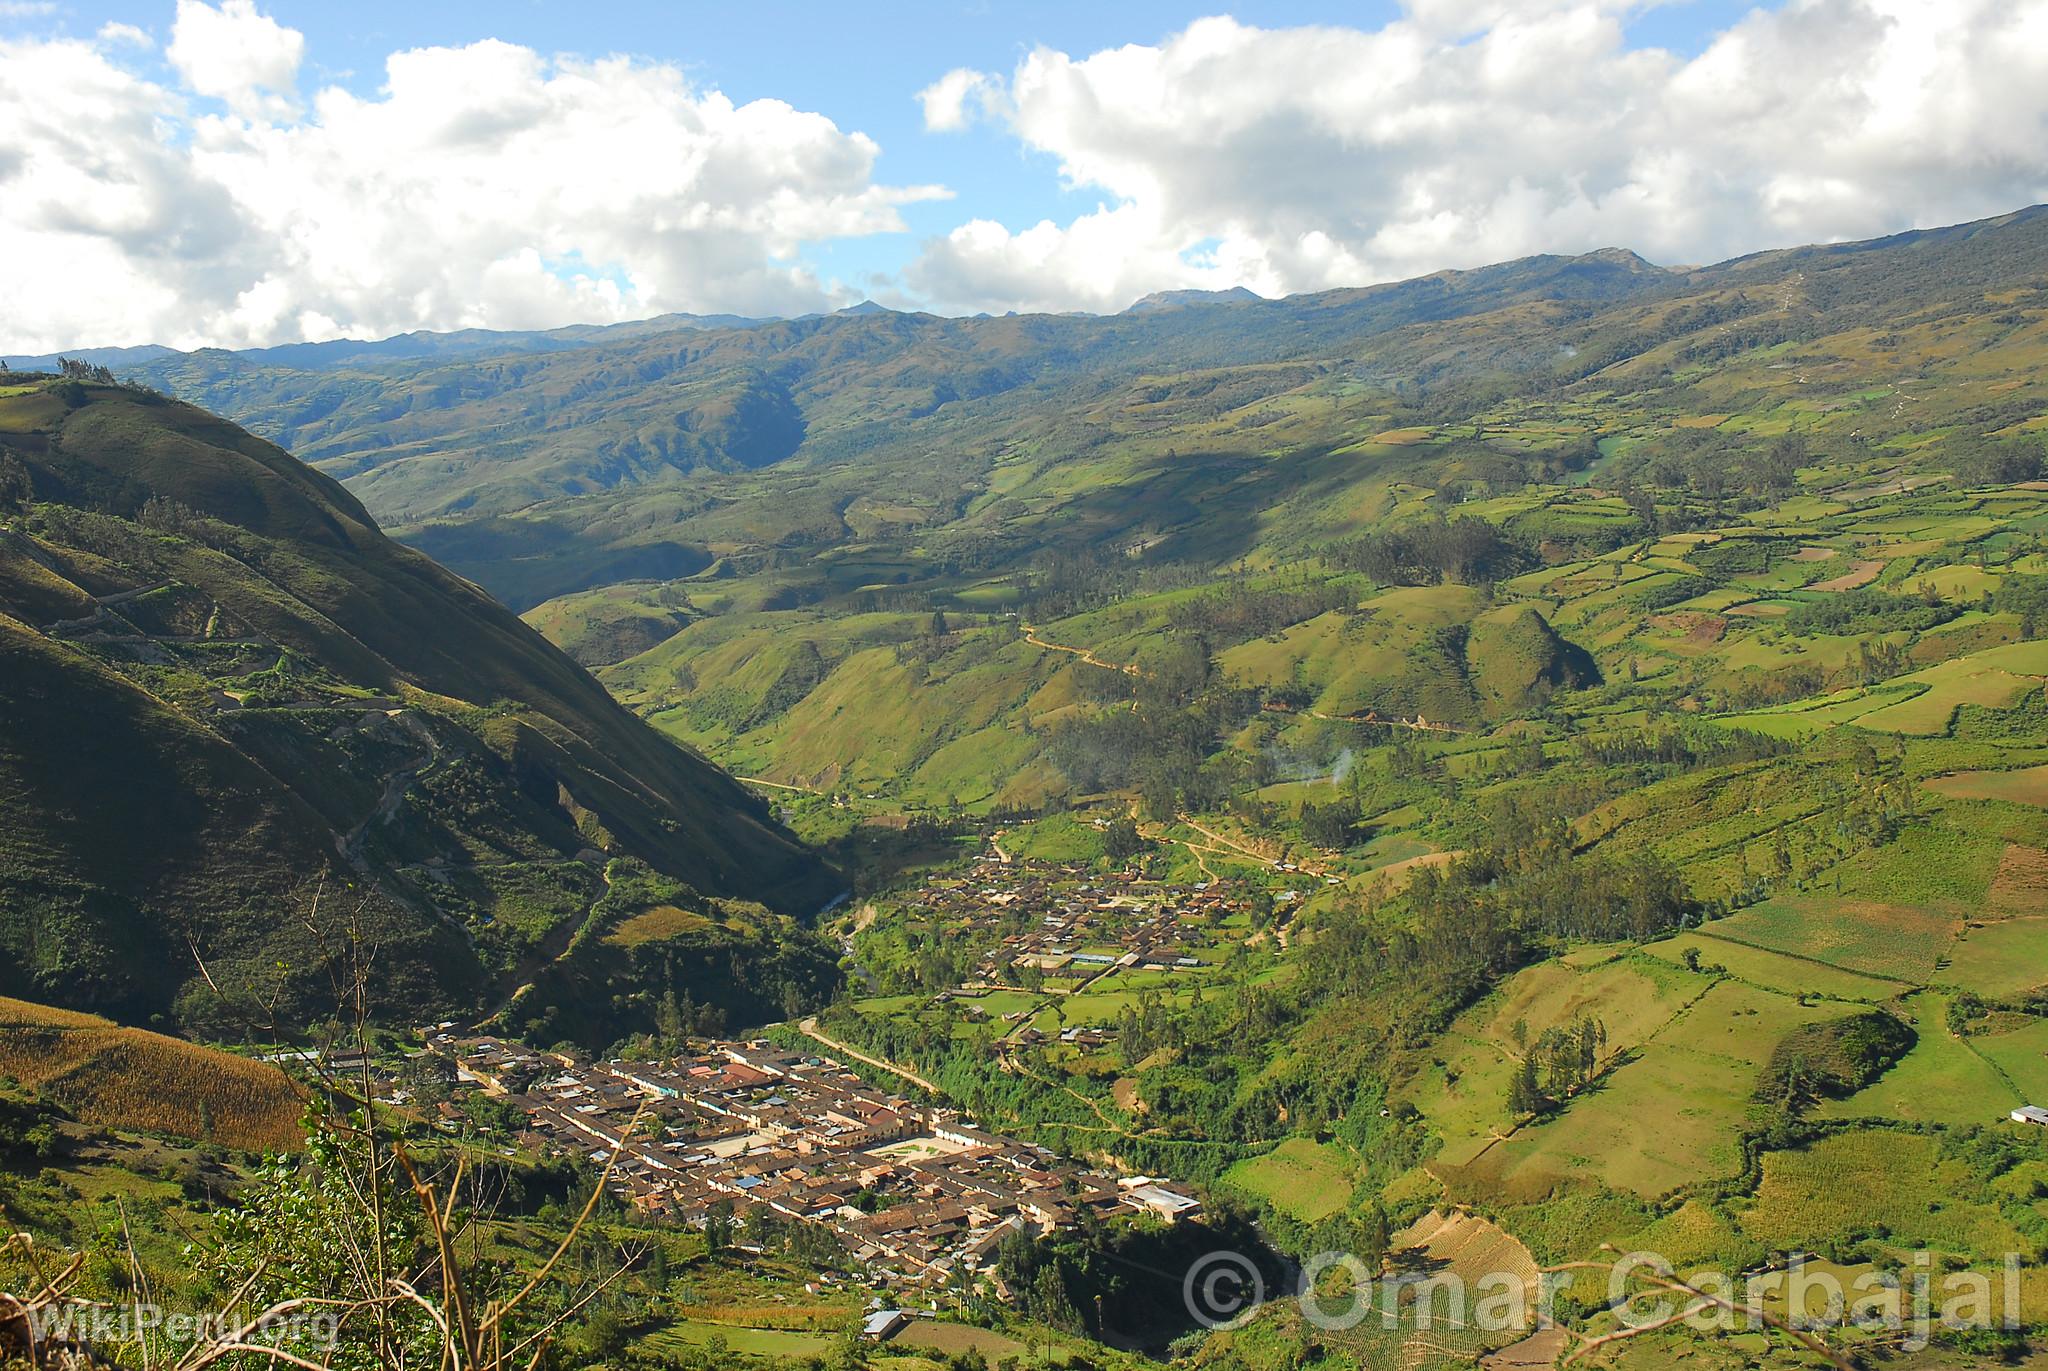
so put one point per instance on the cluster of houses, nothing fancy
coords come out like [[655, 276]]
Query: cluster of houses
[[1071, 923], [916, 1195]]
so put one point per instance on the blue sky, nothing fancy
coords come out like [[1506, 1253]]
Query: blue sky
[[243, 172], [861, 69]]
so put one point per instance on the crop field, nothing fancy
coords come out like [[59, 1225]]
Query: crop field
[[1305, 1178], [2028, 786], [953, 1339], [1774, 970], [1896, 942], [1876, 1181], [1939, 868], [2020, 885], [2002, 959], [128, 1078]]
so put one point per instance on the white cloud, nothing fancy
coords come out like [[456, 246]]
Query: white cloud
[[113, 32], [237, 55], [482, 186], [1473, 131], [956, 99]]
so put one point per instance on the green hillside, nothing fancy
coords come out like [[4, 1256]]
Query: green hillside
[[226, 690]]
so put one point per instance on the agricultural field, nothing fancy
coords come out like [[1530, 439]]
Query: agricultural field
[[130, 1079], [1943, 1079], [1876, 1182], [1898, 943], [1306, 1179], [2001, 960], [2025, 786], [1586, 726], [1775, 971], [1696, 1077]]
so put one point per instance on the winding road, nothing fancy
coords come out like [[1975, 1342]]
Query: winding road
[[1085, 654], [809, 1028]]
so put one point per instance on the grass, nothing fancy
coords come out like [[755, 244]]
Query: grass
[[1895, 942], [1694, 1078], [952, 1339], [658, 924], [1860, 1184], [2026, 786], [737, 1339], [1465, 1098], [2002, 959], [2020, 1055], [127, 1078], [1942, 1080], [1303, 1178], [1993, 679], [848, 547], [1060, 838], [1775, 971]]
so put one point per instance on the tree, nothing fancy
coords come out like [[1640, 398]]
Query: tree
[[1329, 826], [1981, 461], [1122, 840], [849, 1353], [606, 1334], [16, 490], [1525, 1092], [718, 1228]]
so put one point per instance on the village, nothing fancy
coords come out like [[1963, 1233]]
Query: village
[[1062, 926], [916, 1195]]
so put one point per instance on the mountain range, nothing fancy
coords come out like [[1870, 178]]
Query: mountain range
[[1422, 733]]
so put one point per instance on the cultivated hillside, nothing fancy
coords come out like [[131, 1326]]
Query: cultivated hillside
[[746, 530]]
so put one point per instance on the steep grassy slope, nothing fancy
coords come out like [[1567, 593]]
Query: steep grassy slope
[[113, 1077], [224, 686]]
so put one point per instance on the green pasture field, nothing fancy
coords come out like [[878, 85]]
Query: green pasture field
[[1901, 943], [742, 1341], [1695, 1078], [1302, 1177], [1997, 960], [1994, 679], [1774, 970], [1943, 1079], [2020, 1055]]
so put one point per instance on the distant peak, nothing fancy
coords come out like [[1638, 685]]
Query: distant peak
[[867, 307], [1174, 299], [1621, 257]]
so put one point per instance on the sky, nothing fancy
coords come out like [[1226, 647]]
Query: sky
[[248, 172]]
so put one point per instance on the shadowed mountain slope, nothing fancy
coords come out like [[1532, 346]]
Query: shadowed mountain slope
[[224, 687]]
